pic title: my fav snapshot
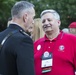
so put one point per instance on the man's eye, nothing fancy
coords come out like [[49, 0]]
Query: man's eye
[[49, 20], [43, 21]]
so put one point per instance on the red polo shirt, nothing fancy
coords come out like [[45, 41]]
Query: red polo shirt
[[63, 49]]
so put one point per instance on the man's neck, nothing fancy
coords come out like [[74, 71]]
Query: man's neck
[[19, 24], [53, 35]]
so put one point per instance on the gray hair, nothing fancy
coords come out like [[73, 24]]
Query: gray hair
[[56, 15], [20, 7]]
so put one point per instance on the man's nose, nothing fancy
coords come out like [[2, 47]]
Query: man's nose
[[33, 22], [46, 22]]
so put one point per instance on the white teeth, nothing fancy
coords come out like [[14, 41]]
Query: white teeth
[[46, 26]]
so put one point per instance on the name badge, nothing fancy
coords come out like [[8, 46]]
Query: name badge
[[47, 62]]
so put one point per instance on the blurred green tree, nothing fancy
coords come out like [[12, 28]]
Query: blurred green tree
[[5, 6], [66, 9]]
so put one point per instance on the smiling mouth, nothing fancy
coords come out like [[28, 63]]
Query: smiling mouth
[[46, 26]]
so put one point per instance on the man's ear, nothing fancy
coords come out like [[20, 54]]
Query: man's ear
[[59, 23], [25, 17]]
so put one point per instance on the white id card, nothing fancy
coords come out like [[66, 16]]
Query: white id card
[[46, 63]]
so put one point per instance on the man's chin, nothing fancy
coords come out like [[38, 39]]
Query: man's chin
[[49, 31]]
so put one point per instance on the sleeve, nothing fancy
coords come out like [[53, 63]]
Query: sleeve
[[25, 57]]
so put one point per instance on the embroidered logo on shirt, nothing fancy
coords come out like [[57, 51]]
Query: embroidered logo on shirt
[[61, 47], [38, 47]]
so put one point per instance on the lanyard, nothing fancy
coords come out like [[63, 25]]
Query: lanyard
[[53, 47]]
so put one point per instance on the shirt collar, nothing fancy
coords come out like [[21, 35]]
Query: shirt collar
[[57, 38]]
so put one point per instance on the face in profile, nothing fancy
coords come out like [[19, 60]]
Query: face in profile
[[49, 23], [31, 30], [29, 18], [72, 31]]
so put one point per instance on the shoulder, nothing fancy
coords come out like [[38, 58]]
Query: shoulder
[[21, 36], [70, 37], [19, 41], [39, 41]]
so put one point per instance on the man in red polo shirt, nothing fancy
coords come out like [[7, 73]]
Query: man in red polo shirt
[[72, 28], [55, 53]]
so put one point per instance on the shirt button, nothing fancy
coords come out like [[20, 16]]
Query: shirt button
[[50, 42], [49, 47]]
